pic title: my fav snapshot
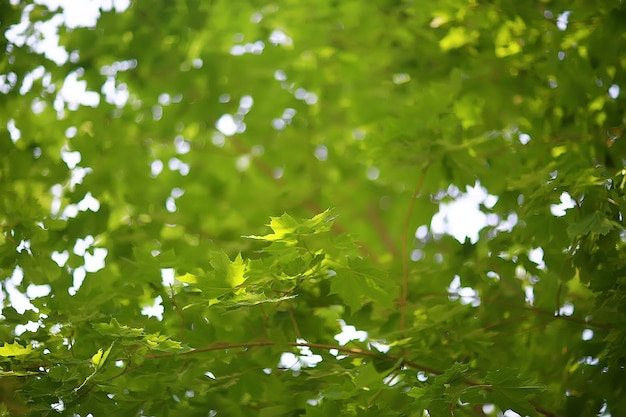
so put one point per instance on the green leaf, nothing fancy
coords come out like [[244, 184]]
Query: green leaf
[[15, 349], [367, 378], [98, 359], [232, 273], [284, 228], [163, 343], [509, 391], [362, 283], [456, 38], [593, 223], [236, 272], [115, 329], [287, 229], [187, 278]]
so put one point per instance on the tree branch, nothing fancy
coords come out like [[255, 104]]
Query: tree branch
[[398, 362]]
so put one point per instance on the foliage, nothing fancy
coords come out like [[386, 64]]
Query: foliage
[[148, 159]]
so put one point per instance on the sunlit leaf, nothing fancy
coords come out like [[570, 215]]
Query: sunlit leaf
[[114, 328], [98, 359], [187, 278], [15, 349]]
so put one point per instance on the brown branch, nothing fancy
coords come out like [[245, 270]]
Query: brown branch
[[543, 411], [405, 255], [533, 310], [398, 362], [224, 346], [295, 323], [572, 319], [507, 321], [541, 311], [354, 351], [252, 329], [217, 346], [371, 402], [423, 368], [126, 370]]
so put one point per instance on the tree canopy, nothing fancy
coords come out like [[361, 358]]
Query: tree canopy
[[253, 208]]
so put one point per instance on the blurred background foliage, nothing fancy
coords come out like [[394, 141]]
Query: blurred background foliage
[[136, 155]]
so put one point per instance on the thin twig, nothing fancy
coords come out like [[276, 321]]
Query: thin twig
[[405, 255], [398, 361], [507, 321], [295, 323], [532, 309], [583, 322], [371, 402], [543, 411]]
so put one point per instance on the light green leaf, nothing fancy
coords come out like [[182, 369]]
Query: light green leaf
[[283, 230], [114, 328], [163, 343], [456, 38], [187, 278], [98, 359], [230, 273], [15, 349], [287, 229], [236, 271]]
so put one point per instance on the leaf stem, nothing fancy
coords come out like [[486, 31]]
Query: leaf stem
[[294, 322]]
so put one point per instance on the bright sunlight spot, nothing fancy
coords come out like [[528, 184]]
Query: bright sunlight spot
[[462, 218]]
